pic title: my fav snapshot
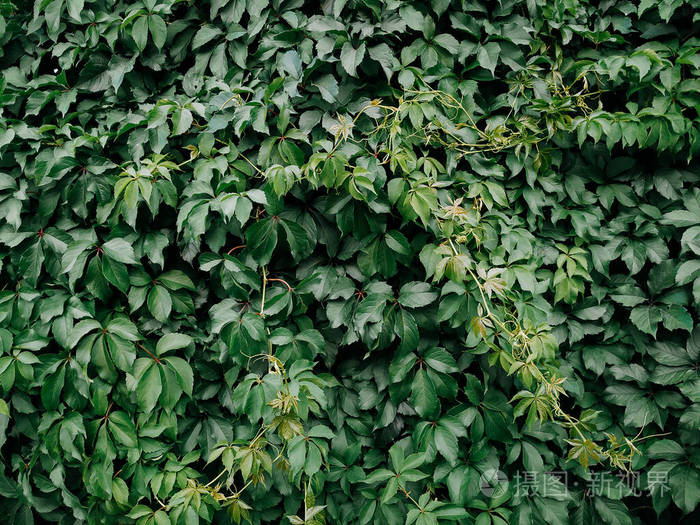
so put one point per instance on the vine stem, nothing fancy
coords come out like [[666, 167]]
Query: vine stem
[[489, 314], [148, 352], [260, 172], [217, 477], [262, 304], [185, 162], [237, 494], [239, 247], [408, 495], [662, 434], [574, 423], [354, 121], [289, 288]]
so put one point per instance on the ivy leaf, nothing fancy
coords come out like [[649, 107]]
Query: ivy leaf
[[684, 481], [149, 387], [688, 271], [122, 428], [261, 239], [159, 31], [139, 32], [120, 326], [416, 294], [406, 328], [611, 511], [74, 8], [159, 303], [382, 53], [4, 422], [423, 394], [120, 250], [172, 342], [446, 444], [487, 55], [205, 34], [351, 57], [183, 372], [176, 280], [646, 318], [677, 317], [440, 359], [51, 389]]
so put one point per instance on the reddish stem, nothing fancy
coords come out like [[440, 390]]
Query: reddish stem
[[148, 352], [282, 281], [235, 248]]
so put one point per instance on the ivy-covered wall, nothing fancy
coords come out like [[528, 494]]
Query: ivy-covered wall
[[350, 261]]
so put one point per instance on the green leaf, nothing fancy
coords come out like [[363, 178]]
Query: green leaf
[[382, 53], [487, 56], [423, 394], [451, 513], [176, 280], [159, 303], [665, 449], [254, 327], [183, 372], [688, 271], [641, 62], [261, 239], [389, 491], [172, 342], [120, 250], [158, 30], [351, 57], [139, 32], [684, 481], [646, 318], [440, 359], [677, 317], [205, 34], [139, 511], [328, 86], [416, 294], [378, 476], [122, 327], [116, 273], [51, 389], [149, 387], [297, 454], [397, 456], [313, 460], [446, 444], [406, 328], [123, 429], [423, 202], [74, 8], [612, 512]]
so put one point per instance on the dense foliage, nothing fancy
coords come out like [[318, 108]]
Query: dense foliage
[[350, 261]]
